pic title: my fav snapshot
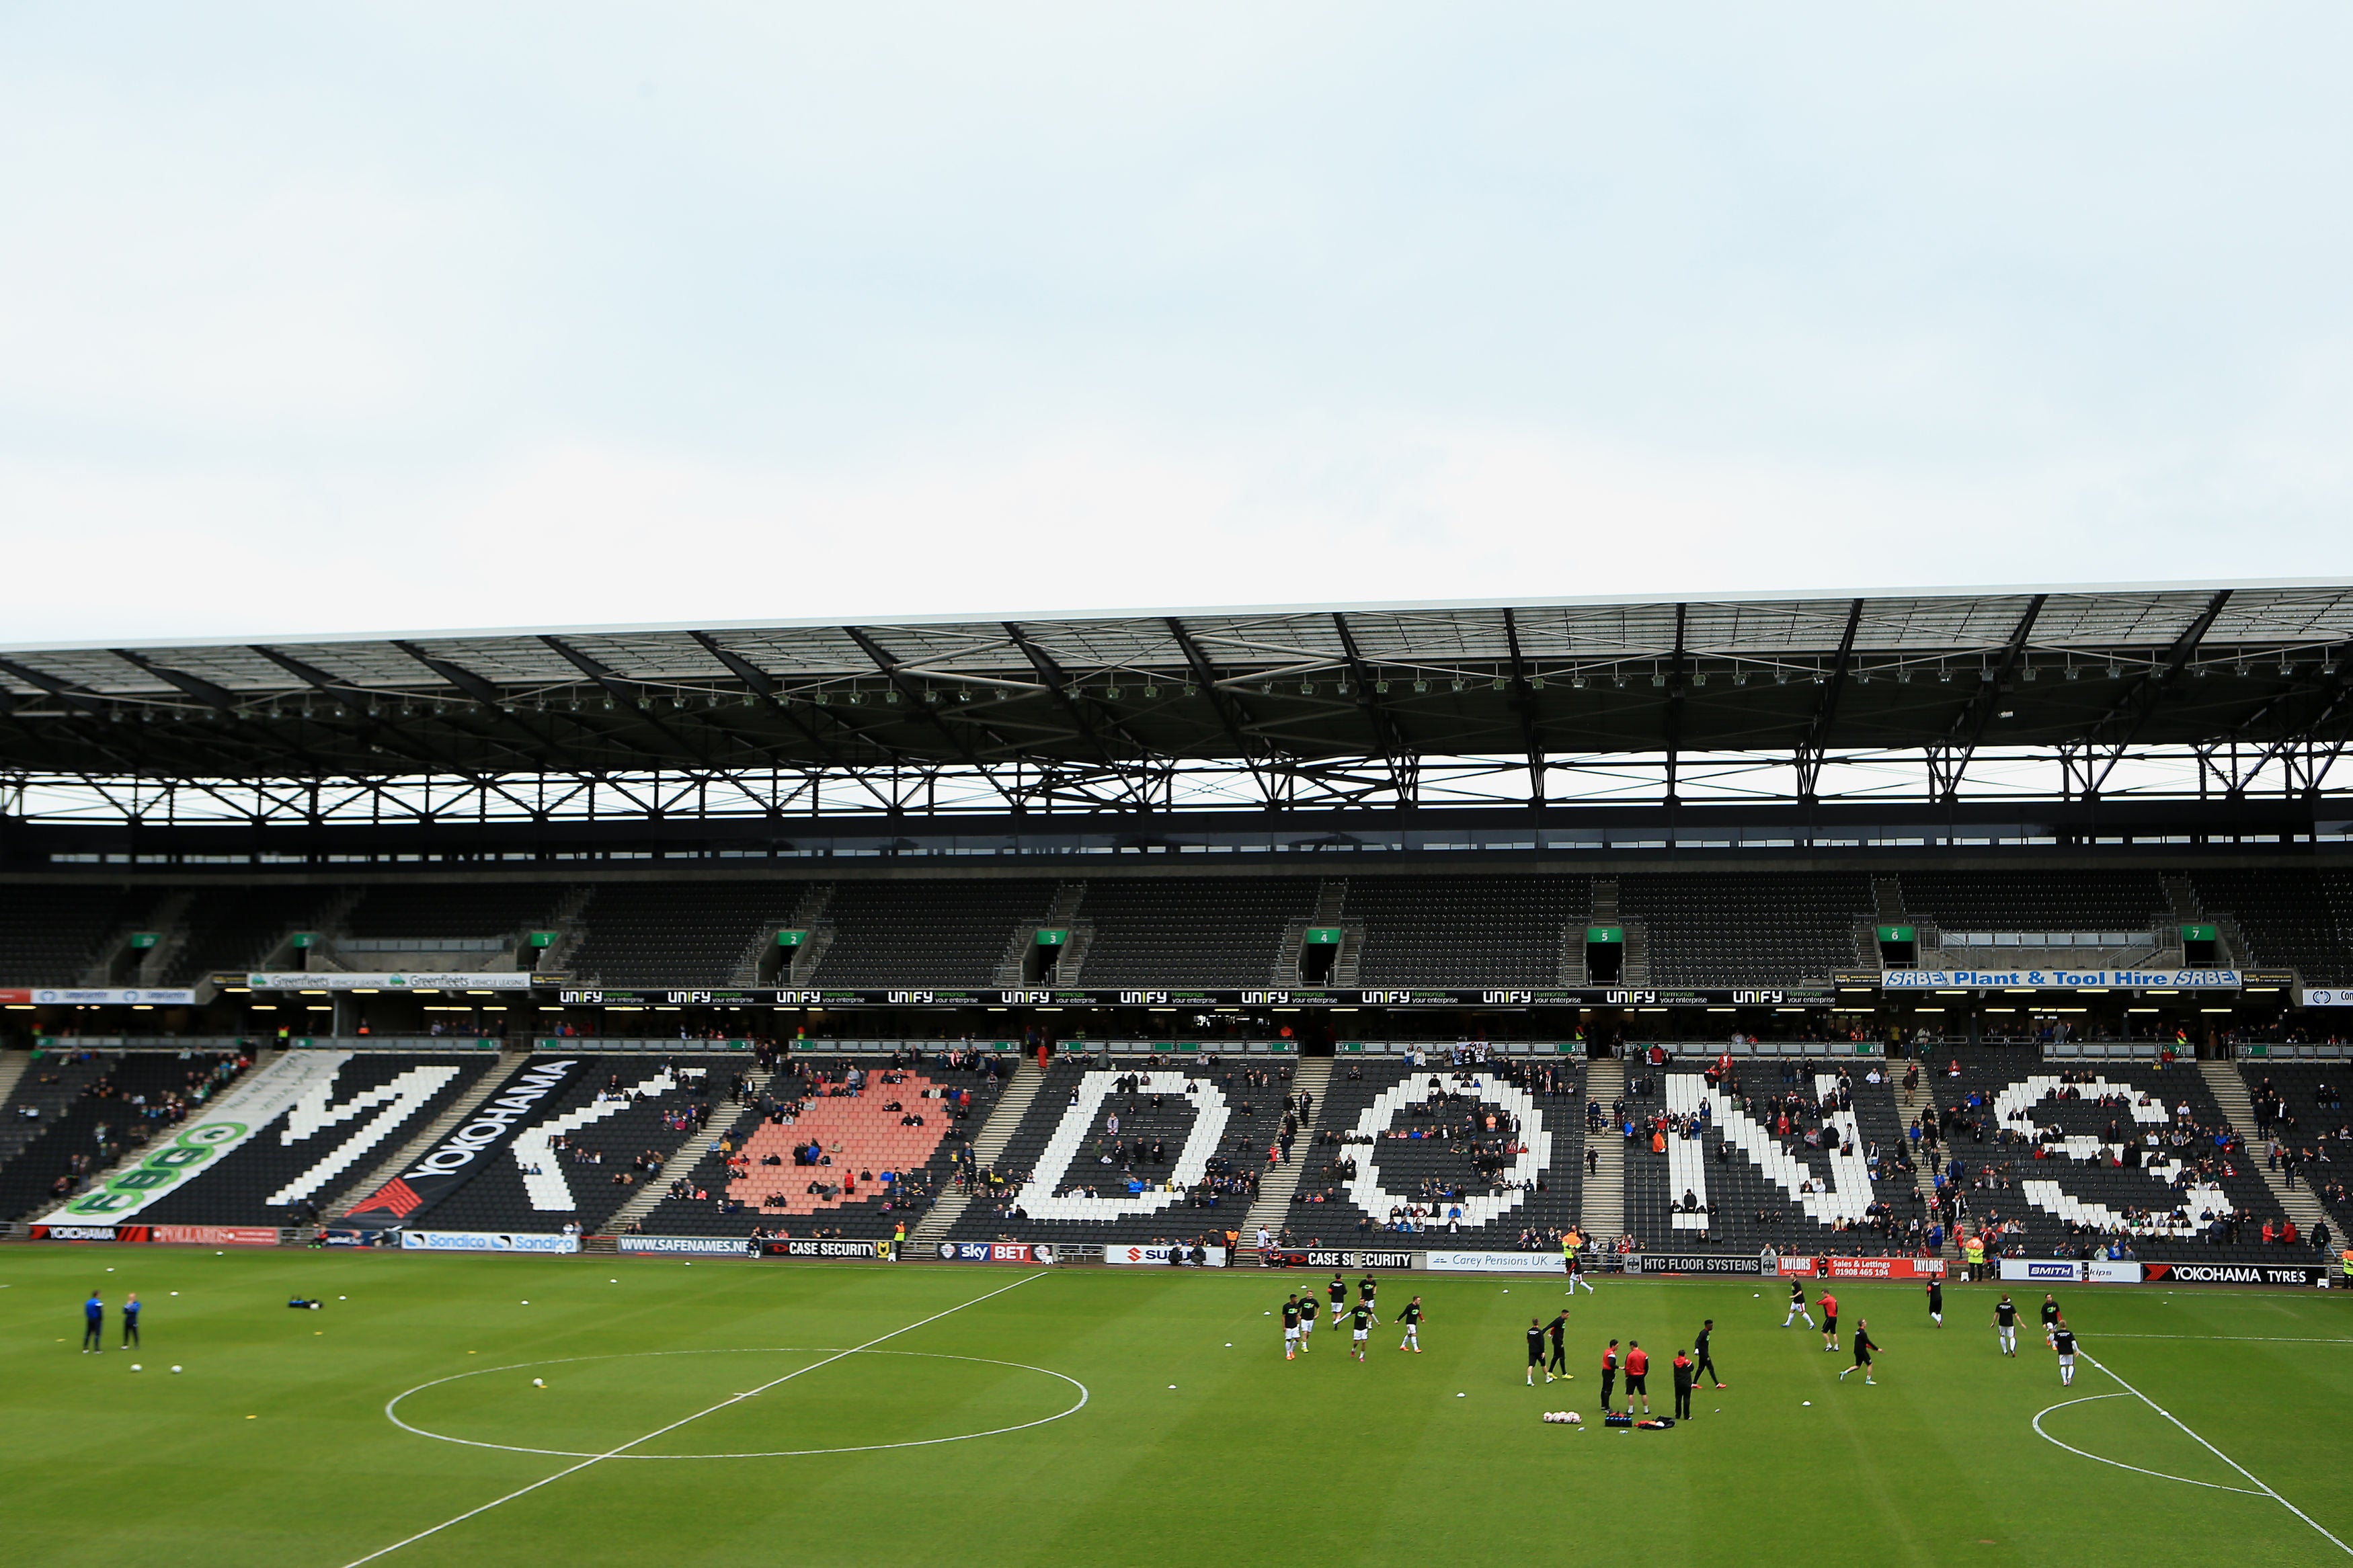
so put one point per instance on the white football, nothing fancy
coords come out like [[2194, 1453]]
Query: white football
[[176, 1369], [134, 1366], [1575, 1419], [537, 1383]]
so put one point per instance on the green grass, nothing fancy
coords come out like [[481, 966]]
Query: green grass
[[274, 1448]]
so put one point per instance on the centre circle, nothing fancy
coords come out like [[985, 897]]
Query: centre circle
[[629, 1403]]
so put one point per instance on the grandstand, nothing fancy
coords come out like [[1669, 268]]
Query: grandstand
[[805, 892]]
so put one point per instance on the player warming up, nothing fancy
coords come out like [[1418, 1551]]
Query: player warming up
[[1829, 1304], [1936, 1301], [1536, 1352], [1306, 1322], [1559, 1330], [2050, 1319], [1609, 1374], [2062, 1339], [2005, 1322], [1290, 1328], [1864, 1346], [1411, 1318], [1360, 1325], [1704, 1365], [1797, 1305]]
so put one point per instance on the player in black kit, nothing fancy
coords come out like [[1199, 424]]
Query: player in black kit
[[1411, 1318], [1290, 1328], [1338, 1291], [1307, 1322], [1703, 1358], [2049, 1317], [2062, 1339], [1864, 1346], [1360, 1322], [1936, 1299], [1557, 1328], [2005, 1322], [1536, 1352]]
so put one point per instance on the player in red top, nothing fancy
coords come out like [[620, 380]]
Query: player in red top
[[1638, 1362], [1609, 1374], [1829, 1304]]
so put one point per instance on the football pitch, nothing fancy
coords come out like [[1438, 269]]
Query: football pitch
[[721, 1412]]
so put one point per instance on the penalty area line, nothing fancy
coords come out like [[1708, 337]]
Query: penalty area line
[[727, 1403], [2218, 1453]]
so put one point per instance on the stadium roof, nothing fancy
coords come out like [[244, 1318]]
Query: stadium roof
[[1941, 672]]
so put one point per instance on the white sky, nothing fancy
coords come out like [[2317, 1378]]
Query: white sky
[[332, 318]]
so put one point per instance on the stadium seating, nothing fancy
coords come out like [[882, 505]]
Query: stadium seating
[[1218, 932], [50, 933], [930, 933], [232, 929], [468, 910], [615, 1112], [1468, 930], [1371, 1103], [2021, 1095], [341, 1112], [2313, 1117], [120, 1107], [2028, 900], [859, 1134], [2287, 918], [50, 1086], [1747, 928], [673, 933], [1071, 1176], [1814, 1199]]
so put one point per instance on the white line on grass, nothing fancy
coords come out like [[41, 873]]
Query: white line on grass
[[722, 1405], [2103, 1458], [2237, 1339], [2218, 1453]]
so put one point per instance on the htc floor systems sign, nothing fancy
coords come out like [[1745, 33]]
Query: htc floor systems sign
[[457, 1157]]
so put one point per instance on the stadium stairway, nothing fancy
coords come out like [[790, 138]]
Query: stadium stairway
[[641, 1203], [2299, 1203], [11, 1069], [416, 1148], [246, 1086], [988, 1145], [1272, 1210], [1603, 1218]]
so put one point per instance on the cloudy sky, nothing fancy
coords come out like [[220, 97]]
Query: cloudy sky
[[353, 317]]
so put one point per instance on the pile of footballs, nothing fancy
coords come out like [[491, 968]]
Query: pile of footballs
[[1564, 1418]]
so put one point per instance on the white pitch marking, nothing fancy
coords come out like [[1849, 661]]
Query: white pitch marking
[[1084, 1394], [2235, 1339], [625, 1448], [2103, 1458], [2218, 1453]]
